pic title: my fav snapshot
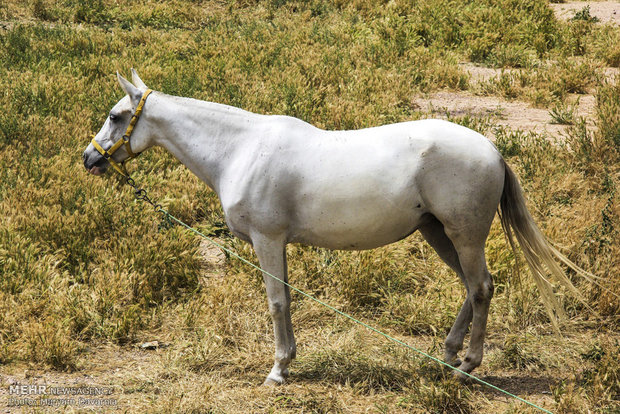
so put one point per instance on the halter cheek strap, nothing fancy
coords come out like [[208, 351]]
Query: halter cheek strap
[[107, 154]]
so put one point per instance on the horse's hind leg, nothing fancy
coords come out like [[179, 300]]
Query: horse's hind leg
[[480, 290], [435, 235]]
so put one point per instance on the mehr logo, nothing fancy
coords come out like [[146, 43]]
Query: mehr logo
[[32, 389]]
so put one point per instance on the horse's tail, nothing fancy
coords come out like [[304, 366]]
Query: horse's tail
[[539, 254]]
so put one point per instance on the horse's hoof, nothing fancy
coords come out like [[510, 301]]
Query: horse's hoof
[[270, 382], [452, 362], [464, 379]]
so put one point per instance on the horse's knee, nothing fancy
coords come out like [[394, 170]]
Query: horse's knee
[[278, 308], [483, 293]]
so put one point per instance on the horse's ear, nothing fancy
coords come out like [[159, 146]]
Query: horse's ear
[[137, 81], [134, 93]]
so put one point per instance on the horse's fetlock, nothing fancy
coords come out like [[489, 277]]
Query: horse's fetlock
[[453, 345], [283, 360], [284, 356], [473, 361]]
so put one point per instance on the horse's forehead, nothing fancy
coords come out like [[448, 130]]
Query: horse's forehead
[[123, 105]]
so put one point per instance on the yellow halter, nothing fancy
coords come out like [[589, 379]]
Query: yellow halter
[[120, 168]]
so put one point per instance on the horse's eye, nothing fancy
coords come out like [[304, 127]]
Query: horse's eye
[[113, 117]]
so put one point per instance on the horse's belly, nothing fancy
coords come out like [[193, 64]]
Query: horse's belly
[[355, 226]]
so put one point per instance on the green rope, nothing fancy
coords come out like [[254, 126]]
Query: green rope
[[346, 315]]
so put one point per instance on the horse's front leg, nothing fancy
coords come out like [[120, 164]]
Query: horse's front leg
[[271, 252]]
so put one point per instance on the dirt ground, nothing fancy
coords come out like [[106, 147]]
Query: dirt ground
[[514, 114], [606, 11]]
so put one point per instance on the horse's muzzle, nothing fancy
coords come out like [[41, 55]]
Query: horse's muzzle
[[95, 163]]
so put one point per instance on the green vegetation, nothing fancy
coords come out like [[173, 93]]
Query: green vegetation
[[584, 14], [563, 114], [81, 263]]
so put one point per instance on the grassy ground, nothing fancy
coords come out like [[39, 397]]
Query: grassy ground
[[87, 273]]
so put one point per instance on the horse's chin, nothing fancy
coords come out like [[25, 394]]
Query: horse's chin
[[97, 171]]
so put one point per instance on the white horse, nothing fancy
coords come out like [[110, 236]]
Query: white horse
[[281, 180]]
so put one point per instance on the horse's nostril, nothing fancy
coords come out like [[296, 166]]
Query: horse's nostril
[[87, 161]]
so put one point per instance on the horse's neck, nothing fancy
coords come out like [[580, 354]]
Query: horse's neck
[[202, 135]]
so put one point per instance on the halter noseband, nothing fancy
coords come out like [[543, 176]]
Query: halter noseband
[[107, 154]]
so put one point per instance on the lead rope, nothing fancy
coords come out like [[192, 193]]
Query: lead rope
[[141, 194]]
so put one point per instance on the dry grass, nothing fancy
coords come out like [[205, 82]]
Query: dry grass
[[82, 265]]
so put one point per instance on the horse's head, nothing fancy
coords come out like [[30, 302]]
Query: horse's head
[[111, 136]]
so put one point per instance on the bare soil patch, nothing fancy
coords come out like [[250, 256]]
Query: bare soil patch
[[605, 11], [480, 74], [512, 114]]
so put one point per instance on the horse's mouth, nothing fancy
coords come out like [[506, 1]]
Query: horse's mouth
[[99, 167], [97, 170]]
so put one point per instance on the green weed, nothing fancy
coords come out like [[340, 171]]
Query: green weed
[[584, 14], [563, 114]]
